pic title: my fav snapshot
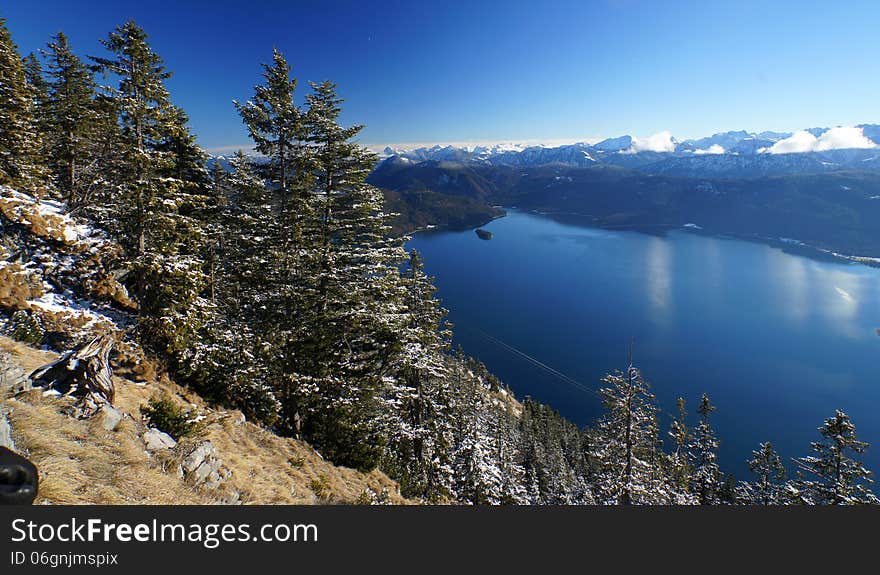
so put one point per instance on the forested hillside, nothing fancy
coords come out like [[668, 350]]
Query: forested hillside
[[276, 287]]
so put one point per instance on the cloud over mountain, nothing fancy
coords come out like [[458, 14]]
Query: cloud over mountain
[[659, 142], [840, 138]]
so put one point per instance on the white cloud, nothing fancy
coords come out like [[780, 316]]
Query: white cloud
[[839, 138], [713, 149], [842, 138], [660, 142]]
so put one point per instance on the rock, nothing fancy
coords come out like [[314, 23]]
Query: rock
[[233, 498], [156, 440], [110, 417], [483, 234], [202, 466], [5, 432], [12, 379]]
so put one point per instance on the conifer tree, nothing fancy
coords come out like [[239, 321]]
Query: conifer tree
[[73, 124], [20, 140], [769, 485], [39, 89], [706, 478], [153, 211], [681, 465], [351, 310], [275, 124], [416, 418], [839, 478], [627, 435], [230, 360]]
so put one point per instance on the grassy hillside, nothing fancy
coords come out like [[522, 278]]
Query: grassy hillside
[[81, 463]]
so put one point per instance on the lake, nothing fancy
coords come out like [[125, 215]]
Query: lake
[[779, 341]]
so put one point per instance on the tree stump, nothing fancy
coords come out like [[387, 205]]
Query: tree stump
[[83, 373]]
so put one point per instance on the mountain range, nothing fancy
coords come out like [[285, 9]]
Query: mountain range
[[751, 185], [731, 154]]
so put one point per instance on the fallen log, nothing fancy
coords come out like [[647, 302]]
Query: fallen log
[[83, 373]]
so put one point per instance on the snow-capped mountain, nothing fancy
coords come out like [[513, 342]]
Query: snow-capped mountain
[[725, 154]]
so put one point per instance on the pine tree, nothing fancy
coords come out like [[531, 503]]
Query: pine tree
[[840, 479], [627, 442], [706, 478], [20, 140], [231, 361], [275, 124], [74, 122], [277, 279], [416, 419], [681, 465], [155, 212], [39, 89], [769, 486], [352, 313]]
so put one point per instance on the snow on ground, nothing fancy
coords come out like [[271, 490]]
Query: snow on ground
[[87, 317], [59, 226]]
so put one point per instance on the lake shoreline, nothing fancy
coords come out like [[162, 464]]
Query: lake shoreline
[[787, 245]]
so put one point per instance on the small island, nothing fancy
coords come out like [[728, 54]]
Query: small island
[[483, 234]]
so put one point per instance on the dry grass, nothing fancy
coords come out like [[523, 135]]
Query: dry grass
[[80, 463], [17, 286]]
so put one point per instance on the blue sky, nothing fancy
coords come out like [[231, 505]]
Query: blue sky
[[506, 71]]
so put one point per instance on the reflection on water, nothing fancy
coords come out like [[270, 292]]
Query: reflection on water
[[790, 276], [658, 279]]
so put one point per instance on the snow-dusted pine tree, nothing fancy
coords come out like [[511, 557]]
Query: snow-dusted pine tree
[[769, 485], [833, 476], [627, 439], [351, 310], [73, 124], [416, 421], [706, 478], [152, 211], [680, 460]]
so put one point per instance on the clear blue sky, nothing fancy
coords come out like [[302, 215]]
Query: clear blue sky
[[510, 70]]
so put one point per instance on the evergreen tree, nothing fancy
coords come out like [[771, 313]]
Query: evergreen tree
[[840, 479], [627, 441], [681, 466], [74, 122], [706, 479], [154, 212], [274, 123], [769, 485], [229, 360], [20, 140], [351, 311], [416, 419], [39, 89]]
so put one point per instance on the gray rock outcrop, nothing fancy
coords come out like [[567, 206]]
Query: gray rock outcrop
[[12, 378], [202, 467], [155, 440], [5, 432], [110, 417]]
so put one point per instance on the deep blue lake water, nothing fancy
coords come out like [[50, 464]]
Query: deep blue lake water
[[779, 341]]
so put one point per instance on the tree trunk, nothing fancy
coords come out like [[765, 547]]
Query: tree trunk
[[84, 373]]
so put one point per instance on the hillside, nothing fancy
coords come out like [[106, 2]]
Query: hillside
[[80, 462]]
